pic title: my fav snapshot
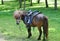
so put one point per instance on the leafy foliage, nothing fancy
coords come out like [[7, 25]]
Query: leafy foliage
[[12, 32]]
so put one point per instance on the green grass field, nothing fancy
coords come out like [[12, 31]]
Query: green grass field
[[12, 32]]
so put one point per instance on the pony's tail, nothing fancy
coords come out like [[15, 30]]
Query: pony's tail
[[45, 28]]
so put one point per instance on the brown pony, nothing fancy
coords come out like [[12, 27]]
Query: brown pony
[[38, 21]]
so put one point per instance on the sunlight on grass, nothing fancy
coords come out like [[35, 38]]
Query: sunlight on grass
[[6, 10], [52, 29], [12, 32]]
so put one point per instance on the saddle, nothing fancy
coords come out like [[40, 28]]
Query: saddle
[[30, 15]]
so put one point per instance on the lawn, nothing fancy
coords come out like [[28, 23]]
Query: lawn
[[11, 32]]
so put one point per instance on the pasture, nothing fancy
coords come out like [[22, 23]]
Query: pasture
[[11, 32]]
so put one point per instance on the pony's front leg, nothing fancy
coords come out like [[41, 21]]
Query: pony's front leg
[[29, 31]]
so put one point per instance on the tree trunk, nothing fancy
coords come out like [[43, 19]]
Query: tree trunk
[[46, 3], [38, 1], [55, 4], [2, 2], [30, 2], [20, 2], [24, 5]]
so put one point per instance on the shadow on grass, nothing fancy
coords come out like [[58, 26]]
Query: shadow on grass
[[19, 38]]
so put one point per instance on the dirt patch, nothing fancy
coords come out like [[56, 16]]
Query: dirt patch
[[2, 38]]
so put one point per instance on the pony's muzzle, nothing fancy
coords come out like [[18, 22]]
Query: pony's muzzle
[[17, 23]]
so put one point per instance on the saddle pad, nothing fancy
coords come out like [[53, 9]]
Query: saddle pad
[[29, 18]]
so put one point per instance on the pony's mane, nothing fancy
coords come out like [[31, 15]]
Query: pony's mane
[[22, 12], [19, 12]]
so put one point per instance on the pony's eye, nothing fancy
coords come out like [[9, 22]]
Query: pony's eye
[[18, 17]]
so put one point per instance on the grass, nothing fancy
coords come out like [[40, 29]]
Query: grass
[[12, 32]]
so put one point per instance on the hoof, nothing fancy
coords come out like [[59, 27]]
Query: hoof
[[29, 36], [44, 40], [39, 38]]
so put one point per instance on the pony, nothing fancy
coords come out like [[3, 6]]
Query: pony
[[38, 21]]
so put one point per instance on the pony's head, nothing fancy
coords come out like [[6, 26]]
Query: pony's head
[[18, 15]]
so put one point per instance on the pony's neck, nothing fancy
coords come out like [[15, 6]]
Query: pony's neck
[[22, 18]]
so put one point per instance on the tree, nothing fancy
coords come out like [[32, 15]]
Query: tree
[[30, 2], [24, 5], [55, 4], [38, 1], [46, 3], [20, 2], [2, 2]]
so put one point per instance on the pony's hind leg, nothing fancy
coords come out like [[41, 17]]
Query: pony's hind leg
[[29, 32], [40, 33], [45, 32]]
